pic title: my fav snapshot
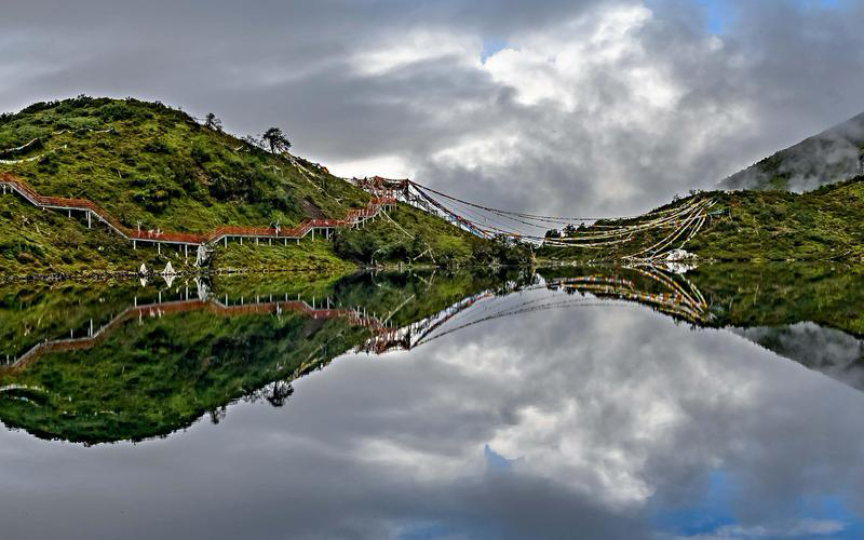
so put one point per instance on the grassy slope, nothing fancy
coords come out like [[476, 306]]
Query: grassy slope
[[822, 224], [158, 167], [762, 225]]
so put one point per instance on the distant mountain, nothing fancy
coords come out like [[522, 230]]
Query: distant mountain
[[831, 156]]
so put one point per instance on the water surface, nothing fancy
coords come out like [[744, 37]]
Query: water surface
[[725, 402]]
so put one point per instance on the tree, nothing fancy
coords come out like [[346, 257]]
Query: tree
[[212, 122], [276, 139]]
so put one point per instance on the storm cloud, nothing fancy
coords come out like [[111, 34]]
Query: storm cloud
[[560, 107]]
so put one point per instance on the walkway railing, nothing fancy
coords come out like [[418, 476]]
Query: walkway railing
[[353, 316], [353, 217]]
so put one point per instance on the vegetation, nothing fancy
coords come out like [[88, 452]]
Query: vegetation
[[776, 225], [755, 225], [410, 235], [157, 168], [152, 165]]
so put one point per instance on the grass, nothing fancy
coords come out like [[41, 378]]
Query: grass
[[158, 168], [310, 256], [150, 164], [408, 234], [824, 224]]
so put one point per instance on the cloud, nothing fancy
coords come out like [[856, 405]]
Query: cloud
[[580, 107]]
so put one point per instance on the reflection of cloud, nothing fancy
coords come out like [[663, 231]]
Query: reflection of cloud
[[610, 413]]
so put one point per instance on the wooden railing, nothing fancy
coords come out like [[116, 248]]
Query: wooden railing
[[352, 218]]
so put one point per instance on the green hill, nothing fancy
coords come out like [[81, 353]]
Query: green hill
[[157, 168], [823, 224]]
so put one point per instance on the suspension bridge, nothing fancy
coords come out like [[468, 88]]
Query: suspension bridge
[[676, 225]]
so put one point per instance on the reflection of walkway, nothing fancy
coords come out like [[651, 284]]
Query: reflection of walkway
[[354, 317]]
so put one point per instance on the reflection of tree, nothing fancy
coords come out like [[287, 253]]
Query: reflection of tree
[[218, 414], [279, 393]]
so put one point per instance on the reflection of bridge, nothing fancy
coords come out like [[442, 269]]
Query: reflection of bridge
[[677, 297], [680, 300], [672, 295]]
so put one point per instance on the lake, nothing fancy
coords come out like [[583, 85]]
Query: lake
[[723, 401]]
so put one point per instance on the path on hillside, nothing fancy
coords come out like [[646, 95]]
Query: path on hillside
[[353, 218]]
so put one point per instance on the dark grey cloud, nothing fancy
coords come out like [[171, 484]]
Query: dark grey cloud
[[606, 107]]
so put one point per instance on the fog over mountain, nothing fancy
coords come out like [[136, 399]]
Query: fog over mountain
[[828, 157], [547, 107]]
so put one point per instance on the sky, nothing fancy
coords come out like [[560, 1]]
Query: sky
[[558, 107]]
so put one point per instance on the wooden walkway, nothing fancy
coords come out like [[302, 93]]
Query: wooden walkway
[[353, 218]]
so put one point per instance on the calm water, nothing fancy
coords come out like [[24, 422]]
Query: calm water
[[725, 402]]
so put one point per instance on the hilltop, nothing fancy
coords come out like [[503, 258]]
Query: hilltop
[[156, 168], [828, 157]]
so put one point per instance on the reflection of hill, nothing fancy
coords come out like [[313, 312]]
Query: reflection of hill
[[776, 294], [126, 363], [127, 374], [826, 350], [153, 375]]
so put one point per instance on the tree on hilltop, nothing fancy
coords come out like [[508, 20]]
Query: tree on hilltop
[[276, 140], [212, 122]]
